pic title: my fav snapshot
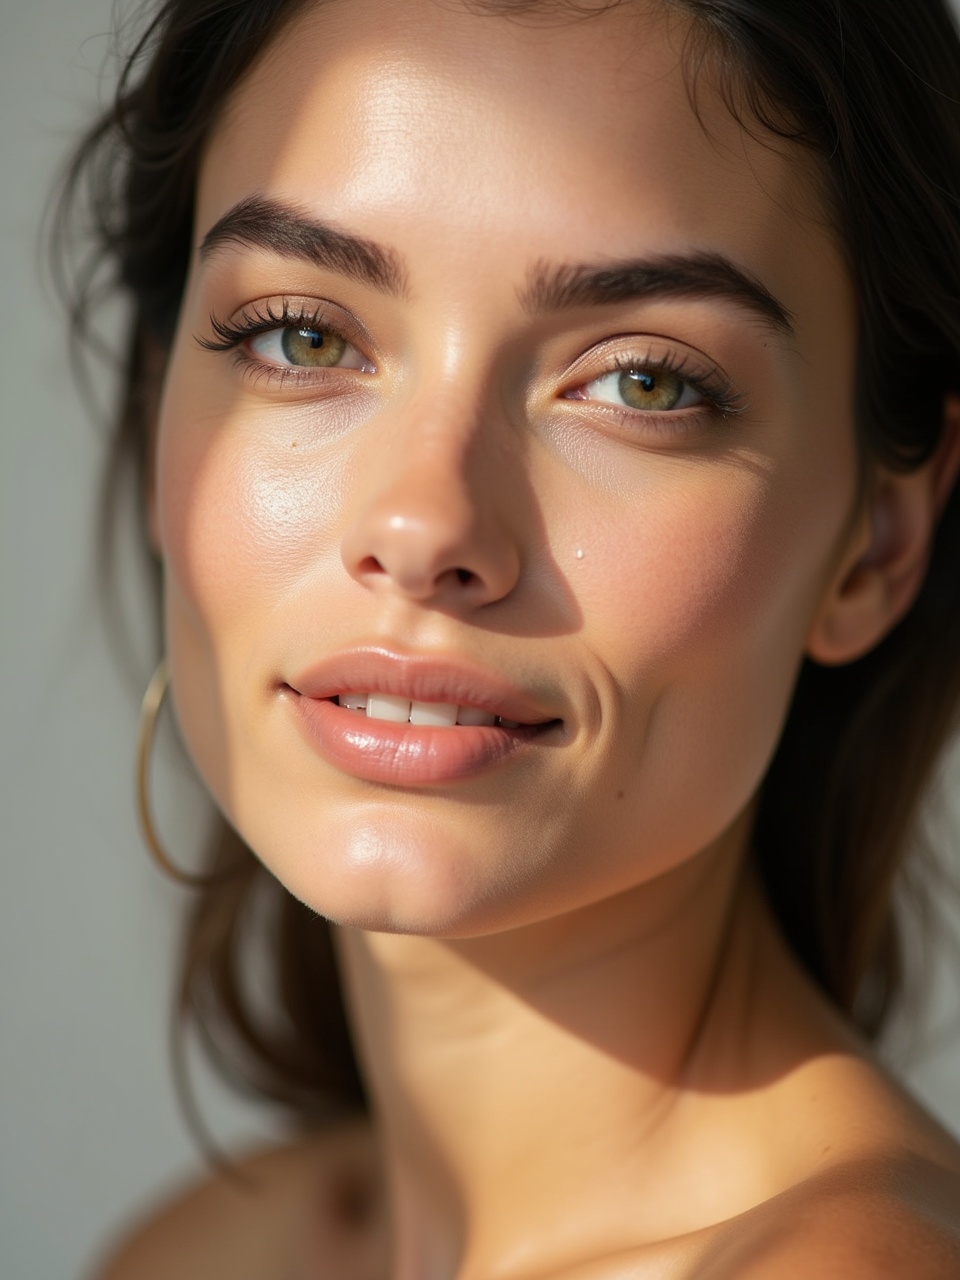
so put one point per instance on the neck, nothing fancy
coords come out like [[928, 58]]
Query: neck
[[521, 1081]]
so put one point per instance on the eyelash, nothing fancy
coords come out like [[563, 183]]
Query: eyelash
[[260, 318], [718, 392]]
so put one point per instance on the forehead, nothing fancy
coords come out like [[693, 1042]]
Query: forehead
[[428, 125]]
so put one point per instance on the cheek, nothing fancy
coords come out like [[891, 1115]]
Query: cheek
[[239, 523], [712, 556], [244, 521], [700, 630]]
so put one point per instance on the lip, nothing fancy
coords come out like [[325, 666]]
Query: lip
[[421, 679], [405, 754]]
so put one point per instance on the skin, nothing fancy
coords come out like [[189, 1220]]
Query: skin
[[571, 1003]]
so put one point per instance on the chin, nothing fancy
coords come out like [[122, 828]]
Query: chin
[[380, 877]]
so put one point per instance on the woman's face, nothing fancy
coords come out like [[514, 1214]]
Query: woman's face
[[548, 416]]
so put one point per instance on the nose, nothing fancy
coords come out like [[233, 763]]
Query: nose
[[434, 522]]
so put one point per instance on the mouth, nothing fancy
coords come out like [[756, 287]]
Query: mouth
[[421, 691], [416, 720], [438, 715]]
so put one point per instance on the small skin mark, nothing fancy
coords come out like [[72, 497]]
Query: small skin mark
[[620, 795]]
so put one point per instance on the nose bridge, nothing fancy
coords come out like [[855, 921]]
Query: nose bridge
[[432, 516]]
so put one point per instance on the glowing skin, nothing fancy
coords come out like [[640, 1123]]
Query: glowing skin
[[460, 478], [300, 520]]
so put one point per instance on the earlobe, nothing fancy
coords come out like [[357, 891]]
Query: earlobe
[[885, 567]]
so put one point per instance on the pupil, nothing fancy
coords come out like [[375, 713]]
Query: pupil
[[313, 337]]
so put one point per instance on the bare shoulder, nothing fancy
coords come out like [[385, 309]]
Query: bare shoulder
[[259, 1218], [869, 1220]]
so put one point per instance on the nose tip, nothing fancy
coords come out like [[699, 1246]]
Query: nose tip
[[433, 540]]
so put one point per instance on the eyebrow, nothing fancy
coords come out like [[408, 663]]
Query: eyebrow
[[697, 275], [291, 232]]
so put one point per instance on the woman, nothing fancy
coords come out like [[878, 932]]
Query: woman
[[548, 424]]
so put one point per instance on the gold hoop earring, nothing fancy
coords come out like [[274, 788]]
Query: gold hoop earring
[[149, 711]]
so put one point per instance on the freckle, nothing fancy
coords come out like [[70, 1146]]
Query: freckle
[[293, 444], [620, 795]]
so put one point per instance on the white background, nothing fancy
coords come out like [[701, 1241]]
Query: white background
[[89, 1129]]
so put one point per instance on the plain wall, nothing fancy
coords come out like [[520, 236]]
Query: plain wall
[[89, 1128]]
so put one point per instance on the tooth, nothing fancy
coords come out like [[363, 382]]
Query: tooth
[[355, 701], [433, 713], [474, 716], [384, 706], [509, 724]]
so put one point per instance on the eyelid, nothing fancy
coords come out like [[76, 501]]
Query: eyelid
[[282, 311], [662, 355]]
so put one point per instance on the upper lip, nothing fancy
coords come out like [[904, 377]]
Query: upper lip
[[421, 678]]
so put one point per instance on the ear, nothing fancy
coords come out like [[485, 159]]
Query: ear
[[880, 577]]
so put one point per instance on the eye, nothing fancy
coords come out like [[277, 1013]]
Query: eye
[[289, 339], [643, 388], [307, 347]]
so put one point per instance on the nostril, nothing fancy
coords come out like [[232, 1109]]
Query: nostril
[[410, 579]]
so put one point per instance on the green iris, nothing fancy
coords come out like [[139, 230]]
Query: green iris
[[313, 347], [657, 391]]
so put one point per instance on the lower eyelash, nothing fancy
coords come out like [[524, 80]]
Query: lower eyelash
[[256, 371]]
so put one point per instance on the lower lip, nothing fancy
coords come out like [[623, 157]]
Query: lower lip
[[405, 754]]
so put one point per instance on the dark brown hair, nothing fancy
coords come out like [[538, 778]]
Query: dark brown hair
[[870, 87]]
